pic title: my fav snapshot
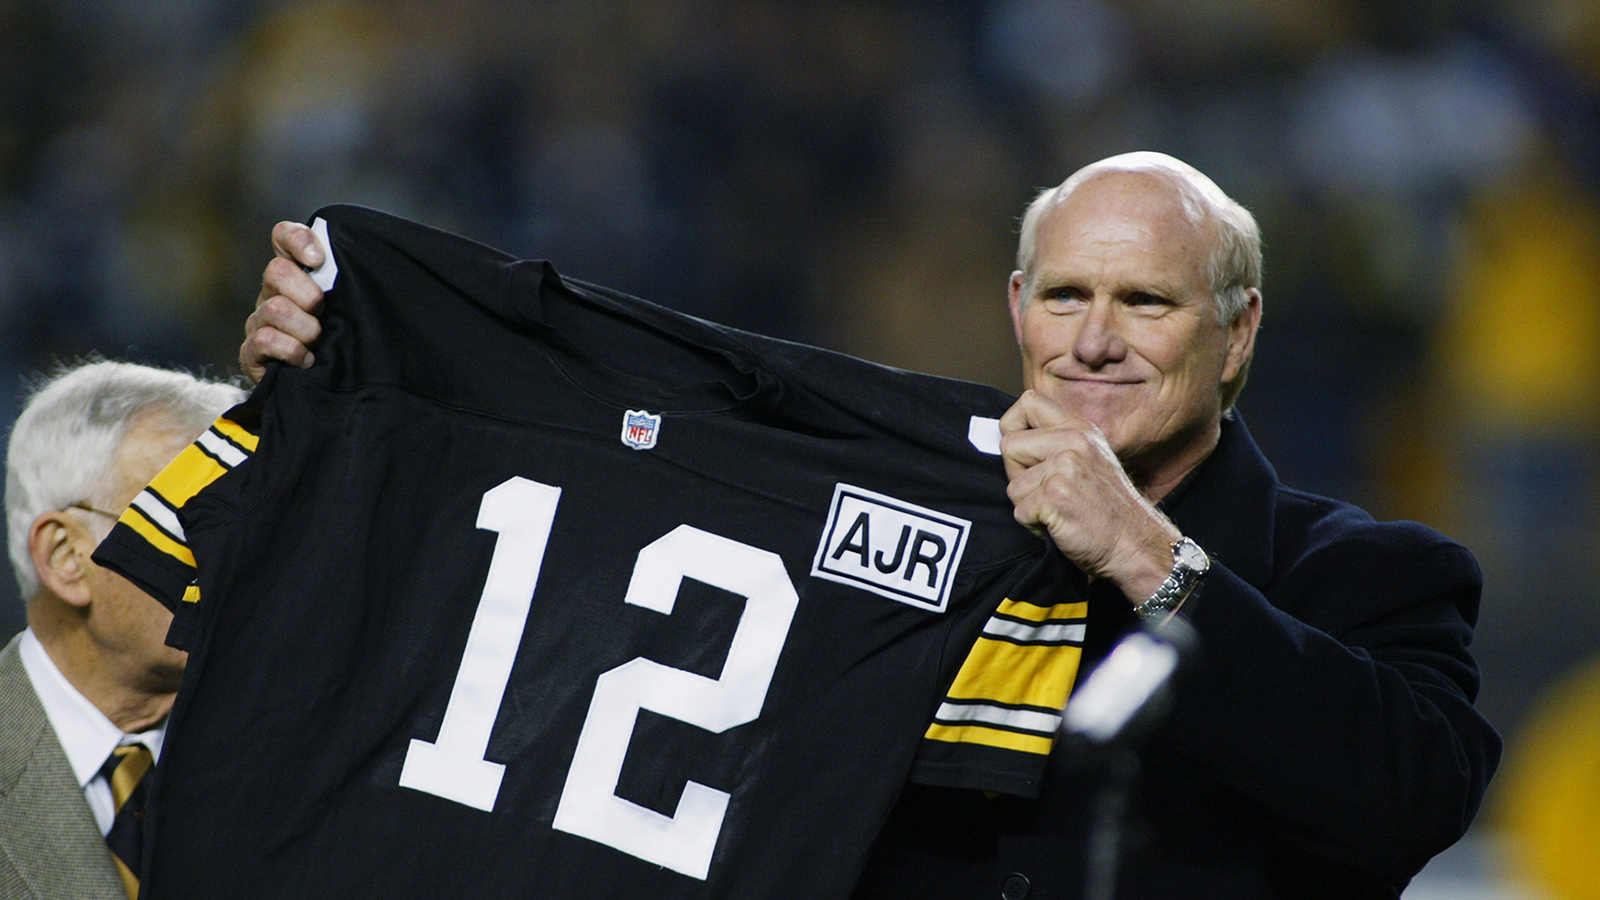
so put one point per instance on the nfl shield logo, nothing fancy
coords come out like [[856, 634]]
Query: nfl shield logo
[[639, 429]]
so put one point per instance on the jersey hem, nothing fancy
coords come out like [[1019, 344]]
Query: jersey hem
[[954, 775]]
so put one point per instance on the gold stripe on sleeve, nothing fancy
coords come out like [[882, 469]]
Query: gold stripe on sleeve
[[186, 476], [157, 538], [1016, 674], [992, 737], [1032, 613], [236, 433]]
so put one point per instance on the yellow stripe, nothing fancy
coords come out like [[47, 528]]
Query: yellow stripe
[[136, 760], [157, 538], [130, 881], [186, 476], [191, 594], [990, 737], [1019, 610], [237, 434], [1003, 672]]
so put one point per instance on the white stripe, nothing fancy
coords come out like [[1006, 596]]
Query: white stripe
[[326, 274], [1028, 719], [157, 512], [221, 449], [1050, 632], [984, 434]]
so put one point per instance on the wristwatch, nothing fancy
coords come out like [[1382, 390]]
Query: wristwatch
[[1189, 565]]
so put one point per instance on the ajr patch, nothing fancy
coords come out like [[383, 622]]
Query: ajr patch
[[897, 549]]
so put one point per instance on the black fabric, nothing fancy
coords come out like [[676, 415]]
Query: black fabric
[[341, 566], [1324, 746]]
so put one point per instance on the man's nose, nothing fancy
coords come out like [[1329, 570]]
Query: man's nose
[[1099, 341]]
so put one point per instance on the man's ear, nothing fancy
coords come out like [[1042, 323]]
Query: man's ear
[[1242, 337], [60, 547], [1015, 294]]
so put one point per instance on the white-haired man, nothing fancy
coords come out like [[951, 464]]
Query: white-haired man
[[1327, 744], [85, 690]]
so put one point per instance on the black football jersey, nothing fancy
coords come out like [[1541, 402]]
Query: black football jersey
[[532, 589]]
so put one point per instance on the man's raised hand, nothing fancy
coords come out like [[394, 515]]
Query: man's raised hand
[[284, 324], [1067, 482]]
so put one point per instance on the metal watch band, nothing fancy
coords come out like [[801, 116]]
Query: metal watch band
[[1189, 564]]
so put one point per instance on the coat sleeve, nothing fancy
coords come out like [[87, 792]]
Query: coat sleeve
[[1339, 700]]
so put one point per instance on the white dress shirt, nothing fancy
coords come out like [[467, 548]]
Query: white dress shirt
[[87, 736]]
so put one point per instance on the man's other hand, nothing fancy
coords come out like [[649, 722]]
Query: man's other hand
[[284, 324]]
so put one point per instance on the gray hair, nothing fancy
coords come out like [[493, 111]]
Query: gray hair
[[1234, 266], [63, 447]]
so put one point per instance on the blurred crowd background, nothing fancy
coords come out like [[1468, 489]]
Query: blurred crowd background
[[849, 173]]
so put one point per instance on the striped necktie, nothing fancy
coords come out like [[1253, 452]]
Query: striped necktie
[[125, 771]]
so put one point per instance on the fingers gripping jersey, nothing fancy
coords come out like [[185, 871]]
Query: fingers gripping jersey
[[531, 589]]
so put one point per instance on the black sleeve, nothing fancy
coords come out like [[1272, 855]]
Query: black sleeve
[[1343, 706]]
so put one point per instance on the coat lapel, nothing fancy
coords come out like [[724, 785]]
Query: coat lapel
[[48, 836], [1228, 506]]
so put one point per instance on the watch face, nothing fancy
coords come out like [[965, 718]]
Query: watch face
[[1190, 554]]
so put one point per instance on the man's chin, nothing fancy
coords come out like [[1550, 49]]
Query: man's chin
[[1112, 418]]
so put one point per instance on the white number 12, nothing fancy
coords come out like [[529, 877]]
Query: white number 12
[[522, 512]]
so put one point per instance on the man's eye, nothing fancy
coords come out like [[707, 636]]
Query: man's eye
[[1144, 299]]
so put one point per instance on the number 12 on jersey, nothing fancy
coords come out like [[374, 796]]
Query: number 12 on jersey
[[522, 513]]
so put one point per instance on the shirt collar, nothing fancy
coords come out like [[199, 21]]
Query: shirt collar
[[87, 736]]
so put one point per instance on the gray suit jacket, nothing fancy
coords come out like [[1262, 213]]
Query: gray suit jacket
[[50, 847]]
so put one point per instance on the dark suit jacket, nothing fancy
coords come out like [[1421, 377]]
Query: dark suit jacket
[[1325, 744], [50, 847]]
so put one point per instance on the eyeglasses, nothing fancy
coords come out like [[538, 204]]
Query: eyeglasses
[[87, 508]]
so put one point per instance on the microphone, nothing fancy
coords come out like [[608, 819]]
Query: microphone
[[1126, 695], [1104, 722]]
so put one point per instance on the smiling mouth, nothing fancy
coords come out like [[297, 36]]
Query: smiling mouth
[[1108, 382]]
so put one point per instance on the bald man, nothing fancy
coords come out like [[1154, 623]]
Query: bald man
[[1326, 745]]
